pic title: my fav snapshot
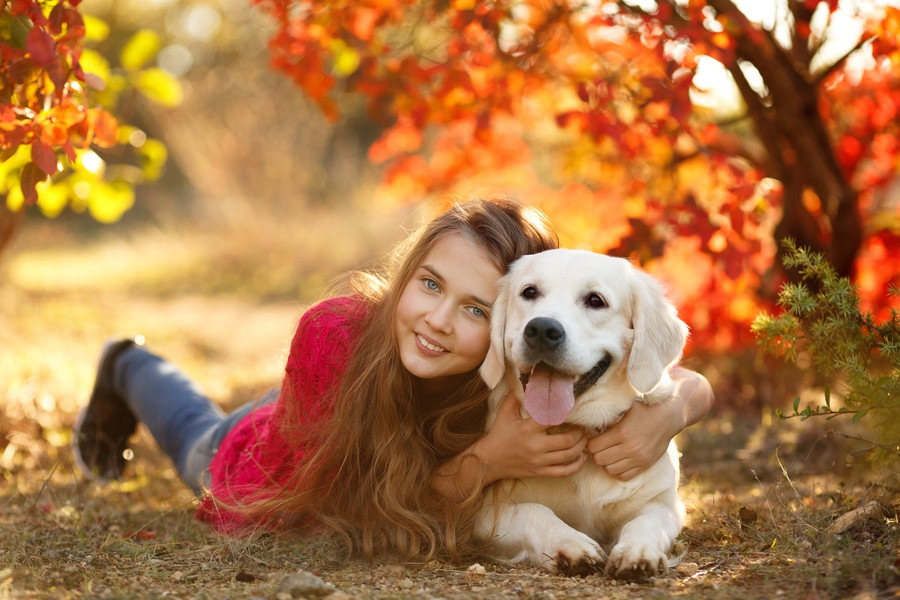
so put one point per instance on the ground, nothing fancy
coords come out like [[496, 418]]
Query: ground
[[763, 494]]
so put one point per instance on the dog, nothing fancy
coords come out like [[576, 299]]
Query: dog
[[578, 336]]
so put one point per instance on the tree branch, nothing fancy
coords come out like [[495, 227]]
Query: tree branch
[[840, 61]]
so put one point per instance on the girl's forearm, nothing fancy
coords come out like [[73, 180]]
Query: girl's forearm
[[462, 476], [693, 396]]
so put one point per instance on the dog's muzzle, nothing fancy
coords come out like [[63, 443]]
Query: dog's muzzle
[[587, 380], [544, 334]]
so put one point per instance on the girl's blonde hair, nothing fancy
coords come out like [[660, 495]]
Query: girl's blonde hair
[[370, 476]]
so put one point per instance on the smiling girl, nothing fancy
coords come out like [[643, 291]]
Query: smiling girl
[[378, 429]]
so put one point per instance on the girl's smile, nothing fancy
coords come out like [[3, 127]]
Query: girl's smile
[[429, 346], [442, 319]]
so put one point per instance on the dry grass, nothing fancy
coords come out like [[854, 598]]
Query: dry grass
[[762, 496]]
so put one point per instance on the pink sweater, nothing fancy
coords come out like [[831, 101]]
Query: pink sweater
[[256, 455]]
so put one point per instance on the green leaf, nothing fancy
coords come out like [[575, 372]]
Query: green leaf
[[796, 403], [140, 49], [159, 86], [18, 30]]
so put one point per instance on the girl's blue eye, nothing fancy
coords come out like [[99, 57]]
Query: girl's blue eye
[[477, 312], [431, 284]]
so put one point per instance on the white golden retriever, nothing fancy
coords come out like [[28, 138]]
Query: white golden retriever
[[578, 336]]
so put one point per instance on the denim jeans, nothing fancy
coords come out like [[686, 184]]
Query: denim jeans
[[185, 423]]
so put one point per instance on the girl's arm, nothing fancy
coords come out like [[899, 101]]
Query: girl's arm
[[631, 446], [512, 448]]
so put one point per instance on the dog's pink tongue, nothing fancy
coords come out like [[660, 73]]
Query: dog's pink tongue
[[549, 396]]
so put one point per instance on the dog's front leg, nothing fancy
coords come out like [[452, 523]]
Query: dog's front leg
[[644, 542], [531, 531]]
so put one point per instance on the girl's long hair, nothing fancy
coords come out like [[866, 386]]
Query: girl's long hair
[[369, 477]]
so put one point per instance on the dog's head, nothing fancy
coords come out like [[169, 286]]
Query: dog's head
[[563, 318]]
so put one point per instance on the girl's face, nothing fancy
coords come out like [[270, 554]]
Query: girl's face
[[442, 320]]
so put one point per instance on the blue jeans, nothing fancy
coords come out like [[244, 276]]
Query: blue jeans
[[185, 423]]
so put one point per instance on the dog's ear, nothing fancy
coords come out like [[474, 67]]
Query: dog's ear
[[659, 335], [495, 362]]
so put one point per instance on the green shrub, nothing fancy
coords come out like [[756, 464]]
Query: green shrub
[[847, 347]]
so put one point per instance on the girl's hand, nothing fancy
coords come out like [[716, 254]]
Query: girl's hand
[[635, 443], [515, 447], [512, 448]]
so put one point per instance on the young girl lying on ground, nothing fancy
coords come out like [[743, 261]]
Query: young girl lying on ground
[[381, 408]]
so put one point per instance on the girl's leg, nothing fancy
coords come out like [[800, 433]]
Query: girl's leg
[[195, 470], [134, 385], [169, 404]]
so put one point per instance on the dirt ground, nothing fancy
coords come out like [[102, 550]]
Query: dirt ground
[[763, 495]]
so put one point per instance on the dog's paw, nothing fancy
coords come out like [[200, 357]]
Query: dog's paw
[[633, 564], [581, 556], [582, 567]]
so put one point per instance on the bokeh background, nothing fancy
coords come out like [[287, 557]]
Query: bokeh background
[[263, 201]]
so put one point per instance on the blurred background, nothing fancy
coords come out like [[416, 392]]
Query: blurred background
[[275, 174], [217, 164]]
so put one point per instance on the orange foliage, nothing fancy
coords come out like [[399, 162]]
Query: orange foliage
[[42, 89], [588, 114]]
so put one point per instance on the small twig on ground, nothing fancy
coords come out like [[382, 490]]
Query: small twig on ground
[[44, 485]]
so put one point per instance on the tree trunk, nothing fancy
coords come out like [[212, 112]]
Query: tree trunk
[[801, 155], [9, 224]]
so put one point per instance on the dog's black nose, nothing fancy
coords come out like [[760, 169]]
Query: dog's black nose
[[543, 333]]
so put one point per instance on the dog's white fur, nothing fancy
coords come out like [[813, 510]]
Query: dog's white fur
[[563, 524]]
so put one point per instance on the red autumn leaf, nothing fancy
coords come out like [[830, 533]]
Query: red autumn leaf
[[57, 18], [44, 157], [69, 151], [41, 47], [363, 22], [28, 180], [849, 151], [21, 7]]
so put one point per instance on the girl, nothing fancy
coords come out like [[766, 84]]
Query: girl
[[377, 431]]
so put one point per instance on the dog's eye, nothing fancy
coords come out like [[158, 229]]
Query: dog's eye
[[595, 300], [530, 292]]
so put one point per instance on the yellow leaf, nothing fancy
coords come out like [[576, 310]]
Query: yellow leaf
[[345, 60], [95, 29], [140, 49], [93, 62], [109, 200], [15, 200], [9, 168], [52, 198], [154, 154], [159, 86]]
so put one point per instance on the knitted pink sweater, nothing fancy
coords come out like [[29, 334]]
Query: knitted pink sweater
[[256, 454]]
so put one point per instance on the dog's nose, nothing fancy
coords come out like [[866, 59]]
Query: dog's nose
[[543, 333]]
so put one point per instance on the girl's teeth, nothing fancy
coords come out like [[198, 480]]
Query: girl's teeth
[[430, 346]]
